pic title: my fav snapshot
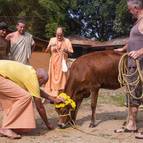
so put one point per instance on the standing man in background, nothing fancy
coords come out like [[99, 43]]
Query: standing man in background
[[4, 44], [21, 43], [59, 47]]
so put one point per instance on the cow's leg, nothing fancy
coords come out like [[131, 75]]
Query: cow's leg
[[74, 113], [94, 97]]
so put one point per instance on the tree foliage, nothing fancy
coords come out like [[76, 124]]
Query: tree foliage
[[123, 20], [98, 19], [103, 19]]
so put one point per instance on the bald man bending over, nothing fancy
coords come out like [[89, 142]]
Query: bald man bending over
[[19, 84]]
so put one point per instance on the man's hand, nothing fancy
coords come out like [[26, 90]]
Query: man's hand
[[134, 54], [42, 112], [52, 99], [123, 49], [58, 100]]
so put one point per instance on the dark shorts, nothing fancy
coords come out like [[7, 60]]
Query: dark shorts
[[136, 90]]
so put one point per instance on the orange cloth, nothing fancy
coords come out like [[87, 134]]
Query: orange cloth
[[17, 106], [57, 78]]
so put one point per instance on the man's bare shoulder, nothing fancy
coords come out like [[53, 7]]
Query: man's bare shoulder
[[67, 40], [53, 39], [10, 35]]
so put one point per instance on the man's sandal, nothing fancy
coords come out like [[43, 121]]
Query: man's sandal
[[139, 135], [125, 130]]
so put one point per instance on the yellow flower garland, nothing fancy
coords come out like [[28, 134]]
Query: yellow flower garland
[[67, 99]]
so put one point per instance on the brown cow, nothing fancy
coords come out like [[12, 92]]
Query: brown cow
[[87, 75]]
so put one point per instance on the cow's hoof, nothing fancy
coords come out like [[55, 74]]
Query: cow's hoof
[[92, 125]]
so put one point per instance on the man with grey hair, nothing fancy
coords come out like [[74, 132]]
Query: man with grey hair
[[19, 85], [135, 3], [135, 51]]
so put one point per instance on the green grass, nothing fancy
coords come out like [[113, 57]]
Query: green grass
[[115, 97]]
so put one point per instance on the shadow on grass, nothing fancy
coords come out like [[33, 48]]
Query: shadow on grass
[[103, 117], [106, 116]]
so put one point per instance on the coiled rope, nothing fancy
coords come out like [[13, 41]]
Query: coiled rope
[[124, 75]]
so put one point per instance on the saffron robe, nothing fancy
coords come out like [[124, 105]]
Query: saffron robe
[[57, 78]]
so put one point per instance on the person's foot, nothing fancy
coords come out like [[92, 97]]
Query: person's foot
[[125, 130], [9, 133], [139, 135]]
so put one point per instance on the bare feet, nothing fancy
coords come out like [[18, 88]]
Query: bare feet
[[9, 133], [125, 130]]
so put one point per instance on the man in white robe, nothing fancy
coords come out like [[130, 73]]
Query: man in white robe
[[21, 43]]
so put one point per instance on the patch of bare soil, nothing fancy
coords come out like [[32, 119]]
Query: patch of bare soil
[[40, 60], [110, 116]]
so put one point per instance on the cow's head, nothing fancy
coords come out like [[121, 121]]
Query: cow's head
[[64, 116], [64, 111]]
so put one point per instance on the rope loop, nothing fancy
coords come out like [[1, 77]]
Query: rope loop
[[124, 74]]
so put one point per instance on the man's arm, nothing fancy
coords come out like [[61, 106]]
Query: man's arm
[[123, 49], [51, 98], [49, 46], [69, 48], [42, 112], [140, 27], [33, 45], [8, 48], [8, 37], [138, 53], [48, 49]]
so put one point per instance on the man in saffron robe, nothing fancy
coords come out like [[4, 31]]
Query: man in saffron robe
[[59, 47], [19, 84], [21, 43]]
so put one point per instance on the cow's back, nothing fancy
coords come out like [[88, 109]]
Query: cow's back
[[96, 70]]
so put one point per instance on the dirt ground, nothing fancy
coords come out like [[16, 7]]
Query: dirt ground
[[110, 116]]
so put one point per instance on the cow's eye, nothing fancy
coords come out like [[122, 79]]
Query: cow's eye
[[64, 111]]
